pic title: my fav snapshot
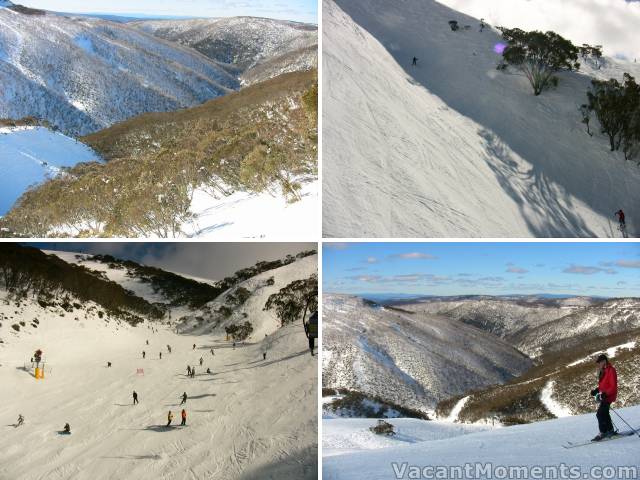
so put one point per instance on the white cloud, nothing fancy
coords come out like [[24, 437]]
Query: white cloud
[[611, 23]]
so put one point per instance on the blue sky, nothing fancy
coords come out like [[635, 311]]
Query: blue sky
[[599, 269], [298, 10]]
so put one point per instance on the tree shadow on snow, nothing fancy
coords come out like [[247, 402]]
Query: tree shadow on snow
[[534, 194]]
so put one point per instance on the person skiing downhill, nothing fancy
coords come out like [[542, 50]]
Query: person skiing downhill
[[620, 215], [135, 397], [20, 420], [201, 361], [183, 414], [169, 418], [212, 351], [67, 429], [606, 394], [415, 62], [184, 398], [194, 346], [188, 371], [144, 354]]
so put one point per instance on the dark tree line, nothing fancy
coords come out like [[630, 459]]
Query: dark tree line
[[616, 105], [27, 271]]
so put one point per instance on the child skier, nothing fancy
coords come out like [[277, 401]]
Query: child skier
[[169, 418], [184, 417]]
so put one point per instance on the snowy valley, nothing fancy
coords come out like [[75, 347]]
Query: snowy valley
[[248, 417], [522, 362], [245, 87]]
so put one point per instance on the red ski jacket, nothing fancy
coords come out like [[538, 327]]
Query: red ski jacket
[[608, 384]]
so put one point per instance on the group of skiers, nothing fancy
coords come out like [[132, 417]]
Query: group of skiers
[[183, 414]]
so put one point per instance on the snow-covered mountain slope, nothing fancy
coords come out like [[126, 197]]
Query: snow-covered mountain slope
[[249, 418], [199, 307], [260, 48], [500, 317], [255, 156], [534, 327], [260, 286], [411, 360], [29, 155], [452, 147], [610, 317], [83, 74], [536, 445]]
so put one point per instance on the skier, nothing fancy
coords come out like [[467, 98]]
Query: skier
[[415, 62], [135, 397], [169, 348], [194, 346], [184, 418], [234, 345], [482, 25], [201, 361], [264, 354], [208, 371], [311, 330], [188, 371], [606, 394], [212, 351], [160, 355], [147, 342], [144, 354], [193, 372], [184, 398], [169, 418], [66, 429], [108, 364], [20, 420], [621, 220]]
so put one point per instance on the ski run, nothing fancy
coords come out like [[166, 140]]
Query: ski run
[[351, 451]]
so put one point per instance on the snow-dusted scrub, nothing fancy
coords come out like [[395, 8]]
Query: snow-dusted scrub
[[261, 139], [83, 74], [259, 48], [530, 398]]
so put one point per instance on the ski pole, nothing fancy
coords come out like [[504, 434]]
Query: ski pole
[[633, 429]]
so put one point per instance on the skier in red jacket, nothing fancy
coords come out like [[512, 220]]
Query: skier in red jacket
[[606, 394]]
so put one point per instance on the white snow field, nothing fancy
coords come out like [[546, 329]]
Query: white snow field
[[30, 155], [342, 436], [254, 215], [453, 147], [351, 452]]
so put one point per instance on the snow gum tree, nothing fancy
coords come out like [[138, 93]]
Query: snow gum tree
[[617, 108], [539, 55]]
